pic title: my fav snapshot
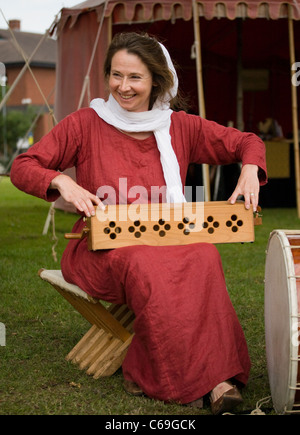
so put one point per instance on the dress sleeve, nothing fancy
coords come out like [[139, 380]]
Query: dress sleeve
[[33, 171], [215, 144]]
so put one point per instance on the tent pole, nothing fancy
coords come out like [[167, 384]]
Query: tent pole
[[205, 167], [240, 92], [294, 111], [22, 72], [109, 31]]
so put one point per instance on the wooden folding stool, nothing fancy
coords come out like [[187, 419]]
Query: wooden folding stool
[[102, 349]]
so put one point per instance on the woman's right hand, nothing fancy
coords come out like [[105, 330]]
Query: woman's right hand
[[71, 192]]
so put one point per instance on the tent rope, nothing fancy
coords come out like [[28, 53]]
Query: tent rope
[[86, 83], [21, 73], [25, 136], [85, 88], [26, 60], [54, 237], [50, 110], [257, 410]]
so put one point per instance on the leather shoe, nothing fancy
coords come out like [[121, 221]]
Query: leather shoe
[[227, 401], [198, 403], [132, 388]]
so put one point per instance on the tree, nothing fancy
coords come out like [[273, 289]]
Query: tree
[[14, 125]]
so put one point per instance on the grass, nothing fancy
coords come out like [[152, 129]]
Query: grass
[[41, 327]]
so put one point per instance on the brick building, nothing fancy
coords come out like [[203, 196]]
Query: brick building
[[43, 67]]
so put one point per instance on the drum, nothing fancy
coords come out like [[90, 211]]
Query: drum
[[282, 308]]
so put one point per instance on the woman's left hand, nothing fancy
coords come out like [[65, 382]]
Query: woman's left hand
[[248, 186]]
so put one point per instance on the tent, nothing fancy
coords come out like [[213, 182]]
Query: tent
[[234, 57]]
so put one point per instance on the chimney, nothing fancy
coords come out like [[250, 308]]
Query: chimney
[[15, 24]]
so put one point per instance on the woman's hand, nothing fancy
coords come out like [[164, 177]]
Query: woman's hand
[[248, 186], [71, 192]]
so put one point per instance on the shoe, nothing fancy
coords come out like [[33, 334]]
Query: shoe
[[132, 388], [196, 403], [227, 401]]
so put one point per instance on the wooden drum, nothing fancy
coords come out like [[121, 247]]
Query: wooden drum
[[282, 308]]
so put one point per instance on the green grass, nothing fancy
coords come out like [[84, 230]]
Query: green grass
[[41, 327]]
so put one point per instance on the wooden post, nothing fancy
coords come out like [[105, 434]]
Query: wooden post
[[205, 167], [109, 30], [240, 91], [294, 111]]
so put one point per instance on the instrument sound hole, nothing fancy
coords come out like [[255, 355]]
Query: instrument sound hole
[[112, 231], [234, 223], [166, 227], [211, 224], [137, 231], [187, 227]]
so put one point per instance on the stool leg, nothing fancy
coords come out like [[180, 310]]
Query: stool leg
[[102, 349]]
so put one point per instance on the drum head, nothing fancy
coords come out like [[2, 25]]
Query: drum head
[[281, 321]]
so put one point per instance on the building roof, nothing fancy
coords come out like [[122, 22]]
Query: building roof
[[10, 54]]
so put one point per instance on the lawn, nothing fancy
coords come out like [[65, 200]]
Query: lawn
[[41, 327]]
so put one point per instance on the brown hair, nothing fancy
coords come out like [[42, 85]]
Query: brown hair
[[151, 54]]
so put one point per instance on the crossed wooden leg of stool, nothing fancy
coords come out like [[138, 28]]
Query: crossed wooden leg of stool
[[102, 349]]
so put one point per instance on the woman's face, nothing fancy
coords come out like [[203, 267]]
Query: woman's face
[[130, 82]]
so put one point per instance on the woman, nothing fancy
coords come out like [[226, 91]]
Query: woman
[[188, 341]]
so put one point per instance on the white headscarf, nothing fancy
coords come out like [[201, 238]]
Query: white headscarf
[[157, 120]]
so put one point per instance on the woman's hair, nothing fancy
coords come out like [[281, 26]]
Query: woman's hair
[[149, 51]]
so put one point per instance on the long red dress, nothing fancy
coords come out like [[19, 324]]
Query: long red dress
[[187, 335]]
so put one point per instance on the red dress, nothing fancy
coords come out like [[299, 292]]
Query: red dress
[[187, 335]]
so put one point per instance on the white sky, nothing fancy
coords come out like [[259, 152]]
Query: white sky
[[35, 15]]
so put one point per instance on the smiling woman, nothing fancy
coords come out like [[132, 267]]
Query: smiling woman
[[147, 62], [130, 82], [188, 341]]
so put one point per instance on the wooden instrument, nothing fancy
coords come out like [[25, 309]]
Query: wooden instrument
[[168, 224], [282, 319]]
